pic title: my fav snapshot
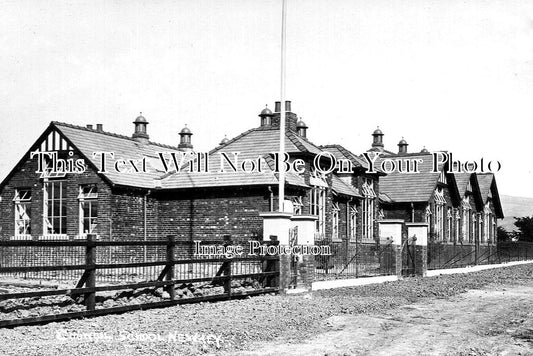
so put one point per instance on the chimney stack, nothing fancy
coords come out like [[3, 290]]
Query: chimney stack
[[290, 117], [99, 127], [89, 126]]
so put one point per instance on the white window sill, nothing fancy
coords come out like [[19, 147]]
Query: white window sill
[[84, 237], [368, 241], [21, 237], [54, 237]]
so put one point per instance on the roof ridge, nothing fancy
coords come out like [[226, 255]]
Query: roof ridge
[[348, 154], [241, 135], [72, 126], [290, 135], [298, 137]]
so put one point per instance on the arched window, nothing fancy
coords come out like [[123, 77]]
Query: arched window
[[367, 218]]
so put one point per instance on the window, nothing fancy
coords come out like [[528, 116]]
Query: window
[[353, 222], [55, 208], [427, 215], [367, 218], [88, 208], [449, 217], [381, 214], [457, 226], [318, 207], [440, 203], [297, 205], [487, 221], [480, 236], [473, 221], [494, 230], [317, 203], [48, 168], [335, 221], [466, 218], [22, 201]]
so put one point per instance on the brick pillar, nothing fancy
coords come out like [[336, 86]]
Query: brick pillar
[[418, 232], [307, 271], [399, 261], [284, 273], [421, 260], [276, 227], [305, 236], [390, 232]]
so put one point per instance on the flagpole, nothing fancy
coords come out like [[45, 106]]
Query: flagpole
[[282, 111]]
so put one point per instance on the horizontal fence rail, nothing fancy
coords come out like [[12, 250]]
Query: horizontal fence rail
[[148, 274]]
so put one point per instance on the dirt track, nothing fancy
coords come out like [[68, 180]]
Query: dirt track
[[490, 321], [481, 313]]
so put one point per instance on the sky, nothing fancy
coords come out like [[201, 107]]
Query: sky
[[447, 75]]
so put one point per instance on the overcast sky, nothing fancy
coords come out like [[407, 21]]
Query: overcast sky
[[448, 75]]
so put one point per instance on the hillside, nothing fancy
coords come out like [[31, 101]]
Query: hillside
[[514, 207]]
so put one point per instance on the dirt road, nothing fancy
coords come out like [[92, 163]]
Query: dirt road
[[481, 313], [491, 321]]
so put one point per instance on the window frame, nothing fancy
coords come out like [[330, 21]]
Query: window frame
[[335, 218], [297, 204], [465, 204], [22, 209], [353, 222], [91, 199], [368, 210], [49, 216], [317, 207]]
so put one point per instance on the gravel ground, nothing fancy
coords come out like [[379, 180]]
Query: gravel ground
[[40, 306], [223, 327]]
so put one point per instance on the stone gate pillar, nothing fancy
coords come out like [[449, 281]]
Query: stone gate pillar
[[305, 227], [418, 232], [276, 225], [390, 232]]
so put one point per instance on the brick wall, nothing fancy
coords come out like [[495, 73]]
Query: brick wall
[[26, 177], [209, 215]]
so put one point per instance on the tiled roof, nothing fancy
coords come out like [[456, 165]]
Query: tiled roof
[[304, 144], [384, 198], [462, 180], [485, 181], [339, 152], [123, 147], [487, 184], [255, 144], [340, 187], [410, 187]]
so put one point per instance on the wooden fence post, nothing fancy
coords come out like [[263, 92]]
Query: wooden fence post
[[170, 265], [90, 261]]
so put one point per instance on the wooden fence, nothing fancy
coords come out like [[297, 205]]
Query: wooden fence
[[263, 270]]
